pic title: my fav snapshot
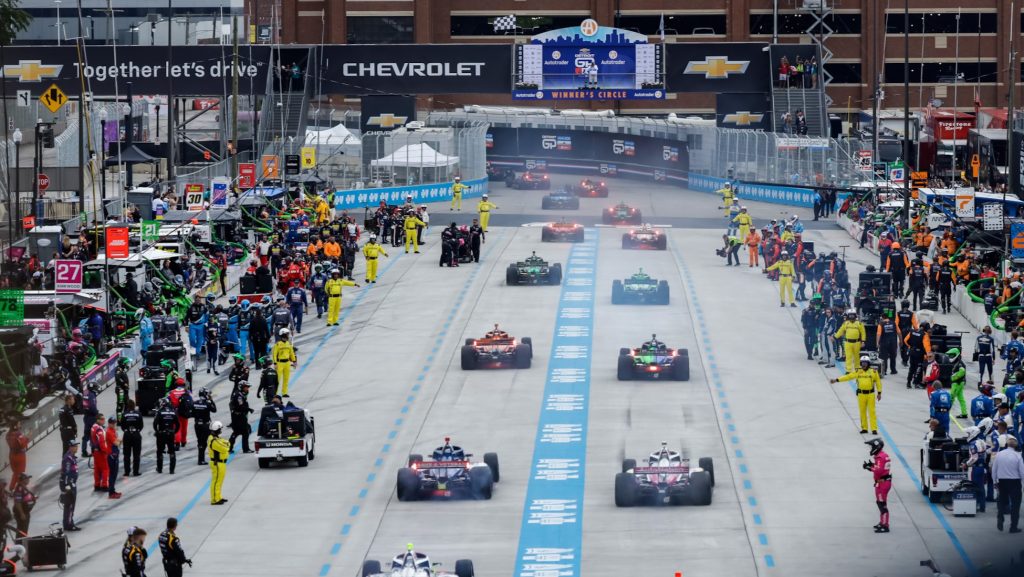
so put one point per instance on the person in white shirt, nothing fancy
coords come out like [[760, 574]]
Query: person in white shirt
[[592, 75], [1007, 472]]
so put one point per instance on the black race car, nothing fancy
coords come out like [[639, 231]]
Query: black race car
[[560, 199], [562, 231], [640, 289], [529, 180], [591, 189], [448, 474], [666, 478], [646, 237], [652, 360], [499, 173], [497, 350], [621, 213], [533, 270]]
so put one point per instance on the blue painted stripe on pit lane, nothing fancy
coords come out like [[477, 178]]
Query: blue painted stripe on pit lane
[[551, 535], [294, 379], [769, 560], [345, 529], [972, 569], [335, 548], [325, 569]]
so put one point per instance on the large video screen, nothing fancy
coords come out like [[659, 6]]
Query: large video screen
[[588, 72]]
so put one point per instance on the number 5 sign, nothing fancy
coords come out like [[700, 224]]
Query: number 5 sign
[[68, 276]]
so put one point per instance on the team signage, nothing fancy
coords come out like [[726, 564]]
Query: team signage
[[717, 67], [291, 164], [246, 175], [117, 242], [747, 110], [965, 202], [219, 190], [1017, 240], [67, 276], [194, 196]]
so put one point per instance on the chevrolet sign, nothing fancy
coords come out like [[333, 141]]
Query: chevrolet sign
[[387, 120], [743, 118], [31, 71], [716, 67], [407, 69]]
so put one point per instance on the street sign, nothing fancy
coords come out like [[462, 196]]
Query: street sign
[[194, 196], [44, 181], [864, 160], [271, 166], [993, 214], [12, 307], [291, 164], [53, 98], [117, 242], [67, 276], [150, 230], [24, 98], [246, 175], [965, 202], [308, 157], [219, 191], [28, 222]]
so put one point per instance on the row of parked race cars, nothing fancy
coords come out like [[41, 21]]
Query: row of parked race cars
[[664, 477]]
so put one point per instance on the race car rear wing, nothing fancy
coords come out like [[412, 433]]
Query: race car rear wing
[[661, 470], [441, 465]]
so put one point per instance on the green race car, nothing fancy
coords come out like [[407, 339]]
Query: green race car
[[653, 360], [534, 270], [640, 289]]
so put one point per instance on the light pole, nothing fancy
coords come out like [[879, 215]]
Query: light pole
[[103, 155], [17, 136], [58, 25]]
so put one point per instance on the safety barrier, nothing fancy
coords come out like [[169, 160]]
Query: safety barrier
[[757, 192], [421, 193]]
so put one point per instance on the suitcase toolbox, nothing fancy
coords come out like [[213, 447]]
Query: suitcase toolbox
[[45, 550]]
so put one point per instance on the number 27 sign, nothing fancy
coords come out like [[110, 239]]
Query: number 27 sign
[[68, 276]]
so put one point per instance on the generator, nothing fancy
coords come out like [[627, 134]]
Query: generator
[[965, 502]]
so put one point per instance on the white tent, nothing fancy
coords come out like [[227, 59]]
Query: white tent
[[330, 136], [416, 156]]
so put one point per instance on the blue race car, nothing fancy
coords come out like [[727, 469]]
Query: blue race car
[[561, 199], [448, 474]]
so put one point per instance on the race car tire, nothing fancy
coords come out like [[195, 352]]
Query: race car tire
[[469, 358], [528, 342], [371, 567], [626, 242], [492, 461], [708, 465], [555, 274], [602, 193], [545, 236], [303, 461], [578, 237], [470, 341], [681, 366], [662, 243], [628, 465], [264, 463], [415, 458], [618, 293], [606, 218], [637, 218], [482, 482], [625, 371], [545, 203], [700, 489], [546, 185], [408, 485], [524, 355], [663, 292], [510, 181], [627, 490], [574, 204], [624, 351], [464, 568], [511, 276]]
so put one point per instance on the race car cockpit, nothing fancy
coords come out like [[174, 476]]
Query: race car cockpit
[[654, 345], [411, 563], [497, 333], [533, 259], [449, 452]]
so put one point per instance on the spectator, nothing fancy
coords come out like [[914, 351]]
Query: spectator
[[1007, 471], [783, 72]]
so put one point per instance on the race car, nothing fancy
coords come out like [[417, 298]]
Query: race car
[[498, 173], [414, 564], [496, 350], [529, 180], [561, 199], [534, 270], [653, 359], [562, 231], [640, 289], [285, 433], [448, 474], [591, 189], [621, 213], [646, 237], [667, 478]]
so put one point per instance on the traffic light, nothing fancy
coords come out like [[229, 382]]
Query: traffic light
[[46, 135]]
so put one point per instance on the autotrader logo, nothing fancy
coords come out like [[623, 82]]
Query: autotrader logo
[[548, 141], [31, 71]]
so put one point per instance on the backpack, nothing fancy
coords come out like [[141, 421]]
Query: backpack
[[185, 406]]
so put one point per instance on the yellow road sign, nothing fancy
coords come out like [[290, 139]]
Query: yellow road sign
[[53, 98]]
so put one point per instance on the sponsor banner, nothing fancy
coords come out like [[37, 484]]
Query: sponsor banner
[[717, 67], [418, 68], [1017, 240], [588, 147], [588, 94], [385, 113], [807, 143], [749, 110], [246, 175], [1017, 162], [423, 193], [117, 242], [759, 192]]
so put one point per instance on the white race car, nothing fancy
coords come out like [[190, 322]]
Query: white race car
[[414, 564]]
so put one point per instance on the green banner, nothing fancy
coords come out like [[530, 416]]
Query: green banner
[[12, 307], [150, 230]]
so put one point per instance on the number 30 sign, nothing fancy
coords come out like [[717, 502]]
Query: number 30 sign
[[68, 276]]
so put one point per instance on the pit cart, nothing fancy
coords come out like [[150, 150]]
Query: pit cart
[[560, 199], [621, 213], [497, 349], [940, 466], [448, 474], [534, 270], [652, 360], [665, 479], [414, 564], [286, 433], [640, 288]]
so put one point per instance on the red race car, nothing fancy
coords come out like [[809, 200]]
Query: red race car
[[591, 189]]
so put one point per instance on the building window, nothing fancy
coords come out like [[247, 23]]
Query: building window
[[942, 72], [942, 23], [682, 24], [380, 30], [840, 23], [844, 72], [525, 25]]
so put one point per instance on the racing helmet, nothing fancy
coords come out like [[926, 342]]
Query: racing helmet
[[986, 389], [265, 300], [743, 209], [997, 399], [373, 238], [896, 246], [458, 178], [784, 254], [167, 364], [483, 196], [210, 298], [245, 305], [232, 299], [986, 424], [76, 333], [864, 359], [875, 446], [953, 354], [139, 313], [238, 357], [972, 433], [851, 313], [335, 271], [216, 427]]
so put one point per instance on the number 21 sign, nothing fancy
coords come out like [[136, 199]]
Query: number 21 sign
[[68, 276]]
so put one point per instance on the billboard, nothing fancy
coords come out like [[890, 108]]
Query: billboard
[[746, 110], [717, 67], [588, 62], [385, 113], [417, 68]]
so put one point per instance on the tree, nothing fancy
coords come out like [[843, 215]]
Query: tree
[[12, 20]]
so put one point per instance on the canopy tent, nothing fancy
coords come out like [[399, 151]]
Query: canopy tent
[[130, 155], [134, 259], [330, 136], [414, 164]]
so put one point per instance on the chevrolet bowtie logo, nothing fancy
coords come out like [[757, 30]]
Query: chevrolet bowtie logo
[[387, 120], [742, 118], [31, 70], [716, 67]]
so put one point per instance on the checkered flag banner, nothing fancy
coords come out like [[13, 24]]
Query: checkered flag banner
[[505, 23]]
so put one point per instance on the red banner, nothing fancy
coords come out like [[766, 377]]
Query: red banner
[[246, 175], [117, 242]]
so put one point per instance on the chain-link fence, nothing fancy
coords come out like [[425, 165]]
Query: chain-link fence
[[750, 155]]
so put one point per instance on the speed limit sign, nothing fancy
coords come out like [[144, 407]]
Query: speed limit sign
[[67, 277]]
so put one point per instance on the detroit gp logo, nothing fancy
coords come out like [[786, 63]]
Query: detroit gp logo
[[548, 141], [618, 147]]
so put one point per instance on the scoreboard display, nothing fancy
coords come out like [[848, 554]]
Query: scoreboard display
[[588, 71]]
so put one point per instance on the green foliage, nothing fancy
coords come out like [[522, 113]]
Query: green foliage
[[12, 20]]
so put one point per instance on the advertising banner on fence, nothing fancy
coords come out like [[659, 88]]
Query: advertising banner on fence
[[586, 146], [748, 110], [371, 197]]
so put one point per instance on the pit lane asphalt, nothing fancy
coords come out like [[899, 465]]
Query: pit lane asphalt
[[790, 496]]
